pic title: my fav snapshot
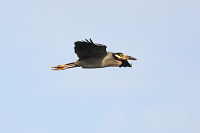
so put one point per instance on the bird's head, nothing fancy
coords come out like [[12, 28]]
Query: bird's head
[[122, 56]]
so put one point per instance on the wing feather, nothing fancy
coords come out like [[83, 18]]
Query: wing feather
[[85, 49]]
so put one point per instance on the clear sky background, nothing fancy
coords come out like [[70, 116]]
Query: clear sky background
[[159, 94]]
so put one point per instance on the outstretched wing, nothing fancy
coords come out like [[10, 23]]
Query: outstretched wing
[[85, 49]]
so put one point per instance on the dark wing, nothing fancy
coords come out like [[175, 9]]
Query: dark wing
[[85, 49]]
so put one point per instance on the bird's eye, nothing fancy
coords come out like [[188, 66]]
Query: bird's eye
[[121, 55]]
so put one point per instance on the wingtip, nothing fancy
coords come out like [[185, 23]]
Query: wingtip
[[91, 41], [87, 40]]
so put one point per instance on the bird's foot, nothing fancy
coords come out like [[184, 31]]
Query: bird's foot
[[63, 67]]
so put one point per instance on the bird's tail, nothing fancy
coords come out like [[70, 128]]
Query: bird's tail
[[66, 66]]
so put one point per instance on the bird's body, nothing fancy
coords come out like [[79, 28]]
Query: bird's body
[[99, 62], [95, 56]]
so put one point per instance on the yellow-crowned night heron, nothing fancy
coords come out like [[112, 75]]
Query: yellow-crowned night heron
[[95, 56]]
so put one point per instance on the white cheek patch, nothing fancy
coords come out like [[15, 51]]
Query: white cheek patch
[[117, 56]]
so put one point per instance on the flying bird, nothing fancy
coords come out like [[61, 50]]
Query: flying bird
[[92, 55]]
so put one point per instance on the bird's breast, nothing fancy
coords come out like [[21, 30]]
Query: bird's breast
[[110, 61]]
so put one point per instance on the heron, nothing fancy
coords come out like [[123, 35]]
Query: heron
[[93, 55]]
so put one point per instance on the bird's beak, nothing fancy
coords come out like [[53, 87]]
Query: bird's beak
[[130, 58]]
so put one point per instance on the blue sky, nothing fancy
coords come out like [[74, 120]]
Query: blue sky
[[160, 93]]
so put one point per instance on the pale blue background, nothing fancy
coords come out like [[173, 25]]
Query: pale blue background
[[160, 94]]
